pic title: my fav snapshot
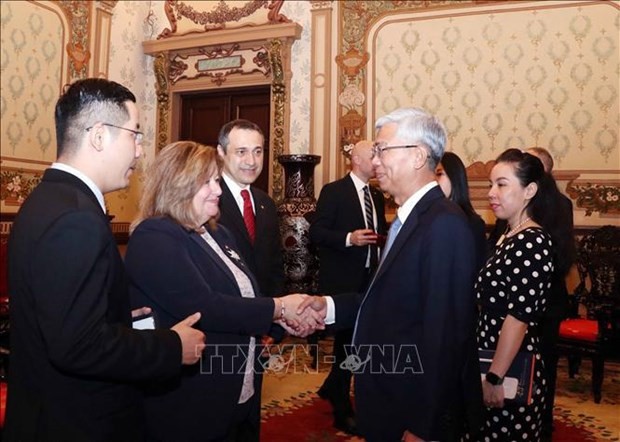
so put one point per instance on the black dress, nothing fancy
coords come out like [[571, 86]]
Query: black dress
[[516, 281]]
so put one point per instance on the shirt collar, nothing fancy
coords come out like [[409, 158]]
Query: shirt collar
[[404, 210], [234, 187], [357, 182], [82, 177]]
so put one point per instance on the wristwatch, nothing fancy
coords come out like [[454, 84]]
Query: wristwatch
[[493, 379]]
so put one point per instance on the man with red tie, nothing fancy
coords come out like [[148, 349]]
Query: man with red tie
[[246, 210]]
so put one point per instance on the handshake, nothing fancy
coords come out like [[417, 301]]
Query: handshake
[[300, 314]]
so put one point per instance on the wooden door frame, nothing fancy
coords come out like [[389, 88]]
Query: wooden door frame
[[176, 72]]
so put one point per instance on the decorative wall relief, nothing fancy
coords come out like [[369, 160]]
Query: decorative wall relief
[[187, 17], [16, 184], [596, 197]]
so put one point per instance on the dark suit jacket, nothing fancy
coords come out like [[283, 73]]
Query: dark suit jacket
[[73, 355], [175, 272], [420, 304], [264, 258], [338, 212]]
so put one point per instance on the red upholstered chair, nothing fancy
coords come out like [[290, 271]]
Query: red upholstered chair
[[596, 335]]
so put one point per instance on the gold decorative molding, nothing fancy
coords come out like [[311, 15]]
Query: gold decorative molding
[[602, 196], [78, 17], [161, 66], [217, 18], [278, 92], [16, 184]]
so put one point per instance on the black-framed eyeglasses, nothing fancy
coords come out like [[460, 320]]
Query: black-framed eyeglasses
[[138, 136], [379, 147]]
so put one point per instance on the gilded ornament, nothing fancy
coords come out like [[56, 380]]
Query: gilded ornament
[[602, 198], [78, 55], [16, 185], [351, 97], [352, 61], [278, 92]]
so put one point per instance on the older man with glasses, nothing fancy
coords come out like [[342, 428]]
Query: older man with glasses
[[414, 352]]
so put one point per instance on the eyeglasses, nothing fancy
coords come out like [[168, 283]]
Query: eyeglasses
[[379, 147], [138, 136]]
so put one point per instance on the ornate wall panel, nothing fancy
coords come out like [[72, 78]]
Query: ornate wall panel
[[45, 45], [499, 74]]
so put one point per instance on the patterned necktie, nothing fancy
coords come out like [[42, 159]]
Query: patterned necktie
[[372, 248], [394, 228], [248, 215]]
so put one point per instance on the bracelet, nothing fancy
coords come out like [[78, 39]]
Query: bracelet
[[282, 309]]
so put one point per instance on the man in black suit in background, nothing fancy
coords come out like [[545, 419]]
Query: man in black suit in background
[[349, 215], [75, 360], [557, 305], [247, 211]]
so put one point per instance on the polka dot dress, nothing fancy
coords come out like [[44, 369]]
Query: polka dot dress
[[515, 281]]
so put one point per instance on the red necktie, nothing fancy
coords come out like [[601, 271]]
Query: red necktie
[[248, 214]]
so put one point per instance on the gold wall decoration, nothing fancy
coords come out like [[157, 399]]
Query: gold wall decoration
[[78, 16], [161, 67], [603, 197], [218, 16], [278, 93]]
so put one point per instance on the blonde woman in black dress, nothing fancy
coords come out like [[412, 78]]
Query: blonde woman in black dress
[[513, 287]]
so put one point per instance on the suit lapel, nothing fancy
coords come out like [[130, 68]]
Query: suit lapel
[[259, 210], [408, 229]]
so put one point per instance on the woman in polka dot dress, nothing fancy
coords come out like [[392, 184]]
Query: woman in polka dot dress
[[512, 290]]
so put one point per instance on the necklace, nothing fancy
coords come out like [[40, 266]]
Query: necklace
[[512, 231]]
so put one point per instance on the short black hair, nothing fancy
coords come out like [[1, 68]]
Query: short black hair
[[455, 169], [240, 123], [86, 102]]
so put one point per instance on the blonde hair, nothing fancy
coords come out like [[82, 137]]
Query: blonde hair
[[173, 179]]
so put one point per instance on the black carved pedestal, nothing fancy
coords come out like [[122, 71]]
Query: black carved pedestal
[[298, 205]]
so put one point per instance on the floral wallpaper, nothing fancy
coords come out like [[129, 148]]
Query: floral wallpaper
[[299, 11], [504, 78], [30, 66]]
